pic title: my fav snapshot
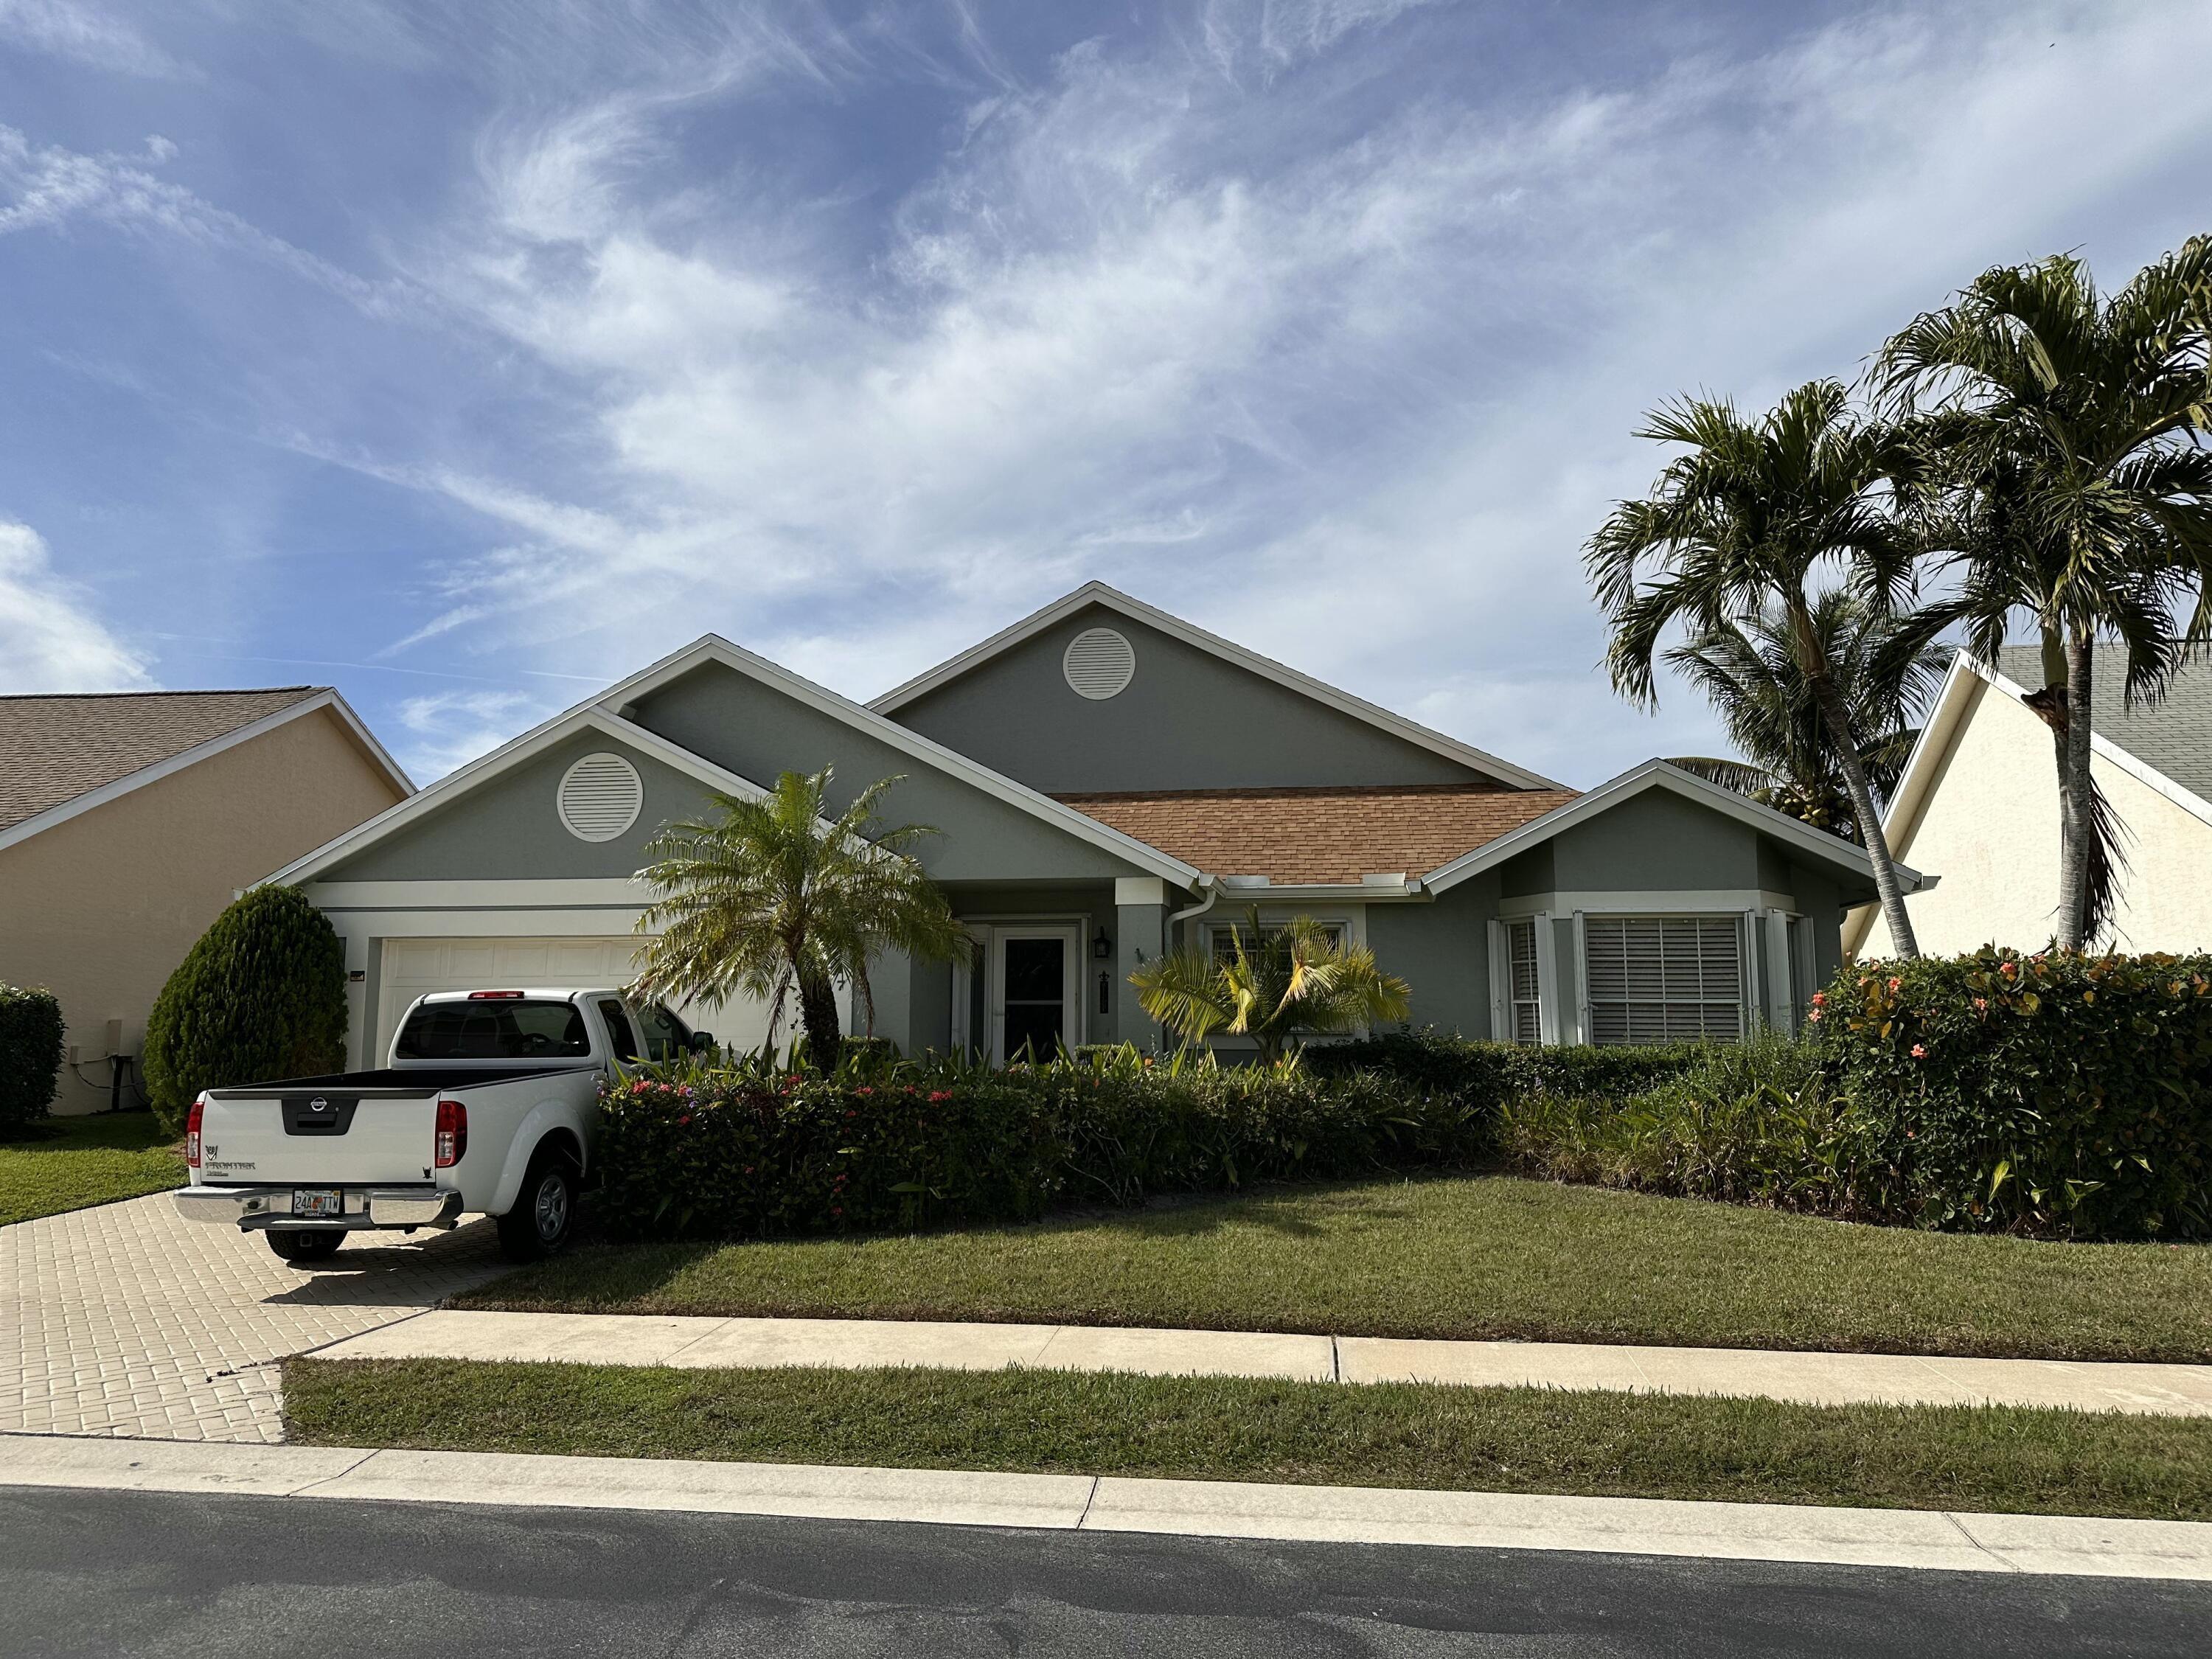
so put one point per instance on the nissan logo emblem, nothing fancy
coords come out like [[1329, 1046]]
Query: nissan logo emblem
[[319, 1104]]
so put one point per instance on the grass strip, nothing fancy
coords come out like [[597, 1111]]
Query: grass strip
[[92, 1160], [1520, 1440], [1484, 1257]]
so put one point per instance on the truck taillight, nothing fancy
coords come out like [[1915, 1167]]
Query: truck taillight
[[192, 1132], [453, 1133]]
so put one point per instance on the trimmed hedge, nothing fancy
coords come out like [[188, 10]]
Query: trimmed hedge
[[30, 1055], [262, 995], [696, 1151], [2048, 1094]]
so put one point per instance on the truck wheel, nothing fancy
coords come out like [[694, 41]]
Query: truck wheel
[[544, 1210], [305, 1244]]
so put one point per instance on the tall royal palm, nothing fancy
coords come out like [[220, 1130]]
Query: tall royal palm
[[1885, 671], [777, 898], [2062, 470], [1756, 513]]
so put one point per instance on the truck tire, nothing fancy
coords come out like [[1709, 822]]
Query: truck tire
[[544, 1209], [305, 1245]]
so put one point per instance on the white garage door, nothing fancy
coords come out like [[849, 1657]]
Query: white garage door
[[414, 966]]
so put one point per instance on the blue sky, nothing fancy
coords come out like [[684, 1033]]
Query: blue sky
[[468, 357]]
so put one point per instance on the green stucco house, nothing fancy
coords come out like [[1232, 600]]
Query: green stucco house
[[1112, 781]]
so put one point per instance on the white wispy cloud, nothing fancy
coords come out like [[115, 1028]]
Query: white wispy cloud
[[51, 639], [444, 730], [84, 33], [45, 186], [1211, 311], [1379, 388]]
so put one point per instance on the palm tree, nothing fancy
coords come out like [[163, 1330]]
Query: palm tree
[[1886, 670], [1295, 977], [1744, 520], [2061, 466], [773, 897]]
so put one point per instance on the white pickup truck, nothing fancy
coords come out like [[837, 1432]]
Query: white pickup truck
[[486, 1108]]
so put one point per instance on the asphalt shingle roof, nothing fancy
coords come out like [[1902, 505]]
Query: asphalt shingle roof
[[53, 748], [1321, 835], [2173, 737]]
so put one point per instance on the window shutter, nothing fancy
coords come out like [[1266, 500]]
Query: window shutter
[[1658, 979]]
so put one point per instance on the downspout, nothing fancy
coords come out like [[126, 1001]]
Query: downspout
[[1211, 888]]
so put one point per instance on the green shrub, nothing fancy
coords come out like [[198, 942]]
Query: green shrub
[[695, 1150], [1754, 1123], [30, 1055], [1481, 1079], [2058, 1095], [261, 996]]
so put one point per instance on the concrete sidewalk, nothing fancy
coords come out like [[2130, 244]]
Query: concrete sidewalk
[[1824, 1379], [1959, 1542]]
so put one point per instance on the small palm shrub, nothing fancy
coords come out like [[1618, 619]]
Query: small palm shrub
[[261, 996], [30, 1055]]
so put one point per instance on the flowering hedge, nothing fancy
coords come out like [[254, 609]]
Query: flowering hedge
[[2061, 1094], [689, 1150]]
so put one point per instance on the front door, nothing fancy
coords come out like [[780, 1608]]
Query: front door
[[1035, 980]]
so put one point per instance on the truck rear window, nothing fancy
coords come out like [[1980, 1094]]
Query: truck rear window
[[493, 1031]]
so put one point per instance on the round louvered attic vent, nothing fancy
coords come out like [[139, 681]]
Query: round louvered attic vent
[[1099, 664], [600, 797]]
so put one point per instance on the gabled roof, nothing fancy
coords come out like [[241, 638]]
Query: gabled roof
[[61, 755], [2172, 732], [1097, 593], [585, 717], [2172, 737], [1320, 835], [599, 713], [1801, 838]]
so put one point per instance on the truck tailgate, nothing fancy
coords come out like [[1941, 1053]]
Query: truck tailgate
[[331, 1138]]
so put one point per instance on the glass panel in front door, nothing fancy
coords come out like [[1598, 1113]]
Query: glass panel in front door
[[1036, 972]]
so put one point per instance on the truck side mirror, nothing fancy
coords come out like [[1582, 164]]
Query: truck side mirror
[[702, 1042]]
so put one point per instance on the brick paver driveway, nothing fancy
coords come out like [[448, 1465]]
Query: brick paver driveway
[[128, 1320]]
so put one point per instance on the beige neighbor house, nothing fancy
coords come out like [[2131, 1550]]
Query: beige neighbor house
[[1980, 801], [128, 821]]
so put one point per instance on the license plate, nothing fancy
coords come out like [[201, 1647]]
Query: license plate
[[318, 1201]]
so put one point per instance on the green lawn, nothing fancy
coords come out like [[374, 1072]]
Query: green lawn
[[1484, 1257], [1238, 1428], [94, 1160]]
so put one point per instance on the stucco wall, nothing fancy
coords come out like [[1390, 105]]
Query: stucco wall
[[1989, 828], [510, 826], [102, 908], [759, 733], [1442, 950], [1187, 720]]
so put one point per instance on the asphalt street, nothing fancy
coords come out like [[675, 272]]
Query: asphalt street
[[161, 1574]]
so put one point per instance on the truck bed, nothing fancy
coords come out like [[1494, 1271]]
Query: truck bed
[[396, 1080]]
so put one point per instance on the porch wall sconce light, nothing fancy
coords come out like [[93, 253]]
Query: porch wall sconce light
[[1102, 947]]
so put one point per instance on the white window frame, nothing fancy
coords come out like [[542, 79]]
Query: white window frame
[[1741, 929], [1503, 1027]]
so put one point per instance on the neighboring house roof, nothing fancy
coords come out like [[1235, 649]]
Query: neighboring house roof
[[1097, 593], [2173, 736], [1321, 835], [1799, 837], [66, 754]]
